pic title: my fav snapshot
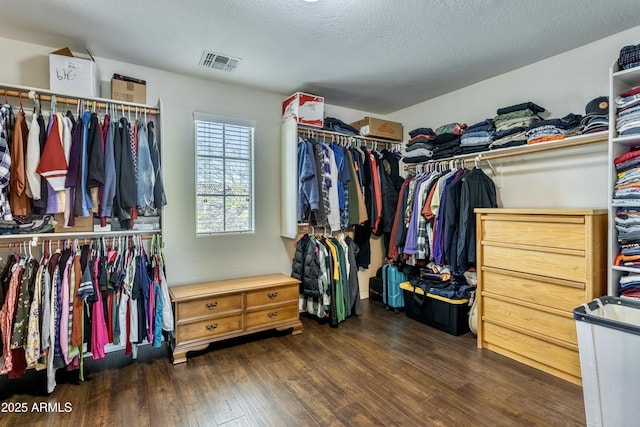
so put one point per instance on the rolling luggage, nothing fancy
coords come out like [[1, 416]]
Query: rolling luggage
[[375, 286], [392, 295]]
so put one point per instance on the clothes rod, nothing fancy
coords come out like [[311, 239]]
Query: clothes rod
[[11, 238], [45, 96], [313, 131]]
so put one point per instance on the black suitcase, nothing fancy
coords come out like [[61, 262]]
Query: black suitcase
[[375, 286]]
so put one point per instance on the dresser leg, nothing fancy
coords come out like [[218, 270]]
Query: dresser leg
[[179, 356], [297, 329]]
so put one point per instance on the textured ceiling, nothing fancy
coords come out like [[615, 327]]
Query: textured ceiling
[[373, 55]]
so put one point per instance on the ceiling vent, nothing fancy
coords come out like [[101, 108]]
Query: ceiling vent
[[219, 61]]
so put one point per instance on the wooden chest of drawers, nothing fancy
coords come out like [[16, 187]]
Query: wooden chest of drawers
[[213, 311], [534, 267]]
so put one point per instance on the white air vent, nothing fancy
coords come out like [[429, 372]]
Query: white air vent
[[219, 61]]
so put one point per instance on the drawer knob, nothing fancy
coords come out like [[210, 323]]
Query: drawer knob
[[272, 295], [211, 327], [211, 305], [273, 315]]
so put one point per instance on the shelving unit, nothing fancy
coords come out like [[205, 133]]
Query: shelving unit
[[290, 130], [26, 96], [620, 81]]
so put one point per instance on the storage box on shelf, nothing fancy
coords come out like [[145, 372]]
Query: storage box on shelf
[[305, 108], [379, 128], [620, 81], [128, 89], [72, 75]]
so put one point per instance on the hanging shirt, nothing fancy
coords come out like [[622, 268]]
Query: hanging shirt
[[159, 198], [53, 165], [145, 173], [32, 158], [20, 203], [109, 187], [5, 163]]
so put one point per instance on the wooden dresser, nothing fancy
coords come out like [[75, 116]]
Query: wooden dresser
[[534, 267], [214, 311]]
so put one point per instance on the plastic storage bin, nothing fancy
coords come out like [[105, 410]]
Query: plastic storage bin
[[449, 315], [608, 331]]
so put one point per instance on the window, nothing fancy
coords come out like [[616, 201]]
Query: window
[[224, 175]]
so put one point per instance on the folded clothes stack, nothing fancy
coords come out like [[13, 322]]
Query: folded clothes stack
[[425, 144], [554, 129], [629, 57], [512, 122], [628, 109], [419, 147], [477, 137], [29, 224], [337, 125]]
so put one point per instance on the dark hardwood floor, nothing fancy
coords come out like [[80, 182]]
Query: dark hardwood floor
[[379, 368]]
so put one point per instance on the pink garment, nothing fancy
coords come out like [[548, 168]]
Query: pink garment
[[6, 318], [64, 317], [99, 334]]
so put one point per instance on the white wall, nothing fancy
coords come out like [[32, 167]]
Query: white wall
[[563, 84], [190, 258]]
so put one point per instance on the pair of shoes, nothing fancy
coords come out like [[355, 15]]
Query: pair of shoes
[[43, 225]]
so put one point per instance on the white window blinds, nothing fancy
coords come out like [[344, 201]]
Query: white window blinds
[[224, 175]]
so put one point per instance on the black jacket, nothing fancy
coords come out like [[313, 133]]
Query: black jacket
[[306, 267]]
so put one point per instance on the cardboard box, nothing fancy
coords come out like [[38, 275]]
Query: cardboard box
[[82, 224], [307, 109], [73, 76], [379, 128], [128, 89]]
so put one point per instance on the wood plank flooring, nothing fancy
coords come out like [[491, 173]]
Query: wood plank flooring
[[379, 368]]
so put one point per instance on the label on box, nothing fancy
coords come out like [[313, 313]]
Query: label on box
[[98, 227], [128, 89]]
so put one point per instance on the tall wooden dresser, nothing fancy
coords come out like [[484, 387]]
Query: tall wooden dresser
[[534, 267]]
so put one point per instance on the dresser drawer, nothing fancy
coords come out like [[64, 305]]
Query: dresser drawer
[[272, 315], [536, 320], [541, 290], [542, 263], [274, 295], [208, 306], [558, 232], [538, 350], [207, 328]]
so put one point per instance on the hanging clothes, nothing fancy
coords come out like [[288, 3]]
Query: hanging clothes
[[328, 272], [434, 220], [55, 308]]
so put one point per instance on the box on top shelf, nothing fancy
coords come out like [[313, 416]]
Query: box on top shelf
[[379, 128], [128, 89], [305, 108], [73, 76]]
